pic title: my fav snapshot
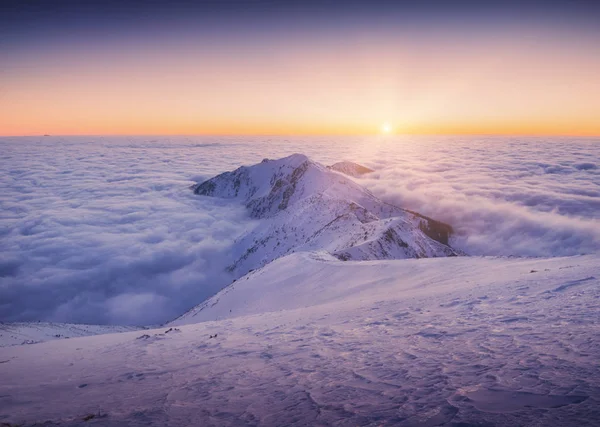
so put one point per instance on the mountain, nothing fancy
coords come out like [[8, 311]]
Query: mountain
[[350, 168], [305, 206]]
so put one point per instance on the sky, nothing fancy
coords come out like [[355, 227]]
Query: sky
[[266, 67]]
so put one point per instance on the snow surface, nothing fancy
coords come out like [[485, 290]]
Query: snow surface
[[18, 333], [311, 340]]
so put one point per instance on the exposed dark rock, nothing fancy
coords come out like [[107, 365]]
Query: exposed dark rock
[[436, 230]]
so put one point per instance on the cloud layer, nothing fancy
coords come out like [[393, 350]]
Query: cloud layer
[[504, 196], [106, 230]]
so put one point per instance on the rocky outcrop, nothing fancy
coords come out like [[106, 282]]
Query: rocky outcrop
[[350, 168]]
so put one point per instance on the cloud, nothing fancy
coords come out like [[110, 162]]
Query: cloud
[[106, 230], [532, 198], [102, 232]]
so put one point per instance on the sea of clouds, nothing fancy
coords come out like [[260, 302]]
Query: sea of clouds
[[107, 230], [504, 196]]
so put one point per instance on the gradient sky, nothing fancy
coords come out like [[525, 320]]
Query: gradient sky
[[266, 67]]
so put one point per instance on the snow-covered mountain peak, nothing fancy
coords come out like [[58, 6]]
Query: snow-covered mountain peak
[[295, 159], [306, 206], [273, 185]]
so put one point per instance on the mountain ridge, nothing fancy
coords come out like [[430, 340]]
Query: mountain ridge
[[305, 206]]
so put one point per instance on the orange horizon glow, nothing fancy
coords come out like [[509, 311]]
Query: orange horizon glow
[[500, 85], [346, 131]]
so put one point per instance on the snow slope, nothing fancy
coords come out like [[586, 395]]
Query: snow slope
[[17, 333], [311, 340], [306, 206]]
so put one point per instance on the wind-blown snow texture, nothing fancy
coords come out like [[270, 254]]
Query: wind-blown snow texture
[[106, 230], [311, 341]]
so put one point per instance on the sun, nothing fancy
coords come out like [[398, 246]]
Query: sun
[[386, 128]]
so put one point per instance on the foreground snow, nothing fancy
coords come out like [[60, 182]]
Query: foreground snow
[[310, 340]]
